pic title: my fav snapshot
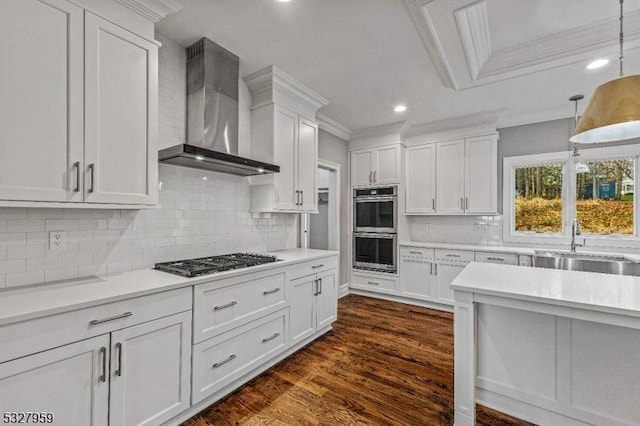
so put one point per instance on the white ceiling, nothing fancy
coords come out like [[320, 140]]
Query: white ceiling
[[443, 58]]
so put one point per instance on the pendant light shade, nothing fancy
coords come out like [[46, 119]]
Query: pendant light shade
[[613, 113]]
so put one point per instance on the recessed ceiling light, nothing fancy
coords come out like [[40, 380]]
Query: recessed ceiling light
[[400, 108], [598, 63], [284, 1]]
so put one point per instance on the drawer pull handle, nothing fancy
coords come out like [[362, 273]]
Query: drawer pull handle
[[268, 339], [267, 292], [76, 166], [317, 266], [499, 259], [373, 283], [221, 363], [119, 351], [415, 252], [228, 305], [103, 355], [117, 317], [453, 255], [319, 285]]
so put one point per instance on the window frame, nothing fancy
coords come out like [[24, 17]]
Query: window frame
[[569, 192]]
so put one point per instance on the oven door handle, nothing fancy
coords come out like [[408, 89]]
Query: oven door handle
[[374, 235], [368, 199]]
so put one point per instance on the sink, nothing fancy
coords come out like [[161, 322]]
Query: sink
[[587, 262]]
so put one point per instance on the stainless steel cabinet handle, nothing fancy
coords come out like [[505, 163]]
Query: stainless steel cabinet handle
[[453, 255], [319, 285], [76, 166], [221, 363], [318, 266], [302, 198], [375, 176], [433, 204], [119, 352], [370, 177], [228, 305], [92, 177], [466, 203], [373, 283], [431, 272], [315, 287], [297, 197], [461, 203], [117, 317], [267, 292], [268, 339], [499, 259], [415, 252], [103, 355], [435, 267]]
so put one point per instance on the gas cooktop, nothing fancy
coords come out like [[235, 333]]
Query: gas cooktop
[[208, 265]]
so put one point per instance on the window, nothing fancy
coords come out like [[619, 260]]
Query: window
[[538, 198], [543, 193], [604, 196]]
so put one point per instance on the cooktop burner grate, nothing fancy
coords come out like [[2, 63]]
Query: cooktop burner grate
[[208, 265]]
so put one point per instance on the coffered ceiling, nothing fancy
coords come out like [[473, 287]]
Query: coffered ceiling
[[444, 59]]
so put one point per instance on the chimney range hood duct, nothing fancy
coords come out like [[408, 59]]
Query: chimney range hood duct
[[212, 115]]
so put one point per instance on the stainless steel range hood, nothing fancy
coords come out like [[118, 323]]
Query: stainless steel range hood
[[212, 115]]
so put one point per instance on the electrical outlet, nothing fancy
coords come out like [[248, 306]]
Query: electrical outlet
[[57, 240]]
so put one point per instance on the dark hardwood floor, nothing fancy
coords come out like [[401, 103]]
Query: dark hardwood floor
[[385, 363]]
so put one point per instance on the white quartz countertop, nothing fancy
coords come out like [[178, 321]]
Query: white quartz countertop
[[28, 303], [474, 247], [615, 294]]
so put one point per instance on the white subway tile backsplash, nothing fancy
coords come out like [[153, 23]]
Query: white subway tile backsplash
[[24, 225], [61, 224], [12, 266], [25, 252], [12, 239], [13, 213], [61, 274], [42, 263], [24, 278]]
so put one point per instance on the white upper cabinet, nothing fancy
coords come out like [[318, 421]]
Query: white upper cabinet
[[120, 121], [284, 133], [450, 176], [78, 101], [453, 177], [481, 166], [421, 179], [41, 100], [376, 166]]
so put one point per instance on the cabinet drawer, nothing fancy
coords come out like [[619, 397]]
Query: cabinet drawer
[[417, 254], [222, 305], [525, 260], [500, 258], [373, 283], [27, 337], [313, 267], [221, 360], [454, 255]]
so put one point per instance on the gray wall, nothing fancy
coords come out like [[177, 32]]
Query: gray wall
[[332, 148]]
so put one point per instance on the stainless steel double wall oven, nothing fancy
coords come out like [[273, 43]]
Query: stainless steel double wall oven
[[375, 224]]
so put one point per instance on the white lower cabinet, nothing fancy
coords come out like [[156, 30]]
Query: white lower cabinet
[[313, 304], [445, 273], [221, 360], [150, 365], [379, 283], [416, 273], [70, 381]]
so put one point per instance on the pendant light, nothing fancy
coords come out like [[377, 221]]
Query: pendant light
[[613, 113], [580, 166]]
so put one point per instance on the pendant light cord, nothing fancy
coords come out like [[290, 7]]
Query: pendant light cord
[[621, 37]]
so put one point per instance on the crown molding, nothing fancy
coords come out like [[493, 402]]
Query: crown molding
[[520, 118], [398, 128], [271, 83], [473, 28], [487, 119], [153, 10], [330, 125], [430, 41]]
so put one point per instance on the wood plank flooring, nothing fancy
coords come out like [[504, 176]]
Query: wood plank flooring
[[385, 363]]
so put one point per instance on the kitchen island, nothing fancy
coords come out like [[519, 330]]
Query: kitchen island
[[549, 346]]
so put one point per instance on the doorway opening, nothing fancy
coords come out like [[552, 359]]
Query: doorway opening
[[322, 230]]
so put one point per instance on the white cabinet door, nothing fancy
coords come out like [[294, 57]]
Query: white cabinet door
[[150, 371], [327, 299], [446, 273], [481, 159], [308, 165], [71, 381], [302, 308], [387, 165], [415, 279], [41, 108], [421, 179], [120, 115], [285, 155], [362, 168], [450, 176]]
